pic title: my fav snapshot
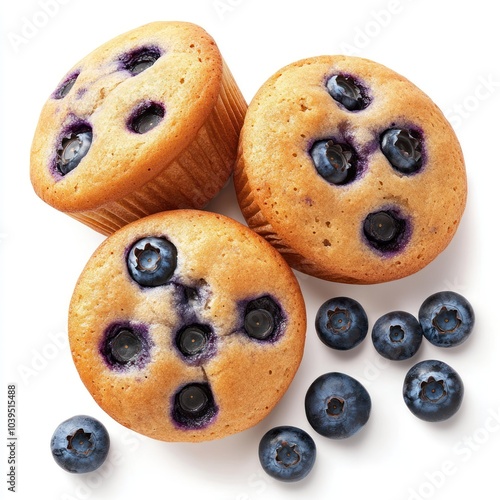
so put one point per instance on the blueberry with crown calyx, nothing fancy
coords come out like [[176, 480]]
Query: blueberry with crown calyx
[[80, 444], [337, 405], [433, 390], [72, 150], [403, 149], [347, 92], [152, 261], [334, 162], [287, 453], [341, 323], [447, 319], [397, 335]]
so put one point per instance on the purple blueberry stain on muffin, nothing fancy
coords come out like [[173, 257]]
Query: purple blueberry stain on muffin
[[71, 147], [145, 117], [262, 319], [140, 59], [196, 343], [126, 345], [65, 87], [386, 230], [193, 406], [348, 91]]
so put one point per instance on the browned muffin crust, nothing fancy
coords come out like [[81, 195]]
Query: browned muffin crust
[[222, 266]]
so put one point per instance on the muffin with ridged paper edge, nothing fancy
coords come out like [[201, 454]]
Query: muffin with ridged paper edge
[[147, 122], [350, 170], [202, 347]]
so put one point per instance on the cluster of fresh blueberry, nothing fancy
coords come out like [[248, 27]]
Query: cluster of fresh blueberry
[[337, 406]]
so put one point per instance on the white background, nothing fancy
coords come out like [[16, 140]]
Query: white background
[[447, 48]]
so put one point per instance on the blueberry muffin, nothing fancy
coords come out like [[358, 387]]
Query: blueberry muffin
[[147, 122], [350, 171], [187, 326]]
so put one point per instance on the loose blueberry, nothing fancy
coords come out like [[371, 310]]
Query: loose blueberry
[[80, 444], [263, 319], [125, 345], [384, 230], [447, 319], [337, 405], [152, 261], [73, 149], [287, 453], [141, 59], [433, 391], [397, 335], [66, 86], [194, 406], [347, 92], [403, 149], [336, 163], [146, 118], [341, 323]]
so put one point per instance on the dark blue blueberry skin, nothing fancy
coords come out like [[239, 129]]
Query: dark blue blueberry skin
[[263, 319], [335, 162], [403, 149], [433, 391], [80, 444], [287, 453], [341, 323], [397, 335], [348, 92], [194, 406], [126, 345], [337, 405], [447, 319], [141, 59], [385, 230], [73, 148], [152, 261]]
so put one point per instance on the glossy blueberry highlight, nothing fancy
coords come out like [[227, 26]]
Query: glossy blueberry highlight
[[263, 319], [447, 319], [287, 453], [194, 406], [337, 405], [141, 59], [385, 230], [341, 323], [403, 149], [73, 149], [66, 86], [152, 261], [80, 444], [346, 91], [146, 118], [335, 162], [433, 391], [397, 335]]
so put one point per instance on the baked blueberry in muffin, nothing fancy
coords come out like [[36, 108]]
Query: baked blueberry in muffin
[[147, 122], [187, 326]]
